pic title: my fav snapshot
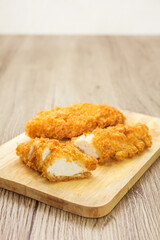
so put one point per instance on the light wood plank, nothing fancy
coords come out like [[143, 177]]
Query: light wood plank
[[38, 72], [92, 197]]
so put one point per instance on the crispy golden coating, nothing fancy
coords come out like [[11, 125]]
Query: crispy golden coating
[[71, 121], [121, 141], [31, 153]]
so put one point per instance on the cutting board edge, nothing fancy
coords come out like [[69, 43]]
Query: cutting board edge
[[82, 210], [75, 208]]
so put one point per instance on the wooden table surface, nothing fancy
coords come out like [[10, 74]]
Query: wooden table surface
[[37, 73]]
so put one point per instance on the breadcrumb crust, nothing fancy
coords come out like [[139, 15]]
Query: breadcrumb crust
[[121, 141], [72, 121], [57, 150]]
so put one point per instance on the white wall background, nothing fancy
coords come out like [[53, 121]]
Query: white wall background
[[80, 16]]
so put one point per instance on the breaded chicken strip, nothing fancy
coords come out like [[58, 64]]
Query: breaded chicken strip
[[56, 161], [119, 142], [68, 122]]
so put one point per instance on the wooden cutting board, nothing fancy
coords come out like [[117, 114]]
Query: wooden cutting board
[[93, 197]]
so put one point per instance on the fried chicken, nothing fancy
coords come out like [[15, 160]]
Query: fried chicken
[[54, 160], [118, 142], [72, 121]]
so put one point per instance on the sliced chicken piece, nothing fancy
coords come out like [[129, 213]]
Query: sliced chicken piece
[[56, 161]]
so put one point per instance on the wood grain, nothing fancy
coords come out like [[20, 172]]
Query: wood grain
[[92, 197], [37, 73]]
